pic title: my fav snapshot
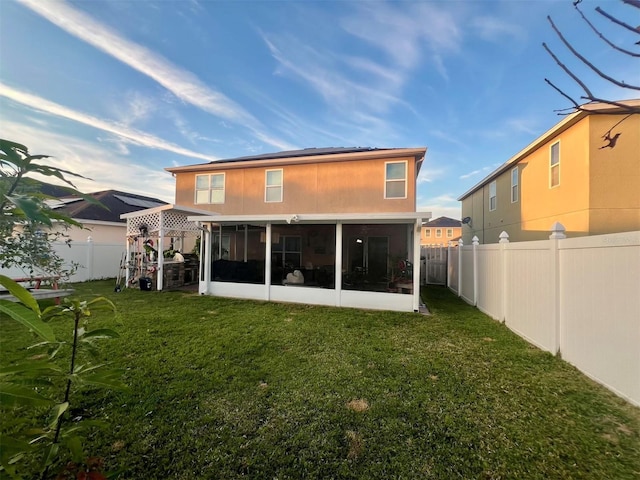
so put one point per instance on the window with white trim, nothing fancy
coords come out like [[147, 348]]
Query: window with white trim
[[515, 194], [493, 199], [427, 232], [287, 252], [554, 165], [438, 232], [449, 232], [210, 188], [273, 185], [395, 180]]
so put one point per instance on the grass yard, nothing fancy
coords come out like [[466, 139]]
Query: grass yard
[[223, 388]]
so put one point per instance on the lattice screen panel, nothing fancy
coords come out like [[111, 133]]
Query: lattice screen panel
[[174, 224]]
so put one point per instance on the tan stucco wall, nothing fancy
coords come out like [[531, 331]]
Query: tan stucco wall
[[433, 239], [331, 187]]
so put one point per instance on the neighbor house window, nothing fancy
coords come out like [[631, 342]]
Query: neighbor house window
[[273, 186], [395, 185], [492, 196], [427, 232], [554, 165], [449, 232], [438, 232], [514, 185], [210, 188]]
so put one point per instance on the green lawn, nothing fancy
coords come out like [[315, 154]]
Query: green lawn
[[224, 388]]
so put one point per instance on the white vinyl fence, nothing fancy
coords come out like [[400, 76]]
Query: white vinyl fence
[[96, 260], [435, 264], [579, 297]]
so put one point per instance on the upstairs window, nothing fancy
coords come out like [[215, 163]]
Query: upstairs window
[[273, 186], [427, 232], [449, 232], [554, 165], [493, 199], [438, 232], [210, 188], [395, 185], [514, 185]]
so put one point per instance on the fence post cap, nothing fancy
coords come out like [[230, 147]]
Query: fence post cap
[[460, 243], [475, 240], [504, 237], [557, 231], [89, 239]]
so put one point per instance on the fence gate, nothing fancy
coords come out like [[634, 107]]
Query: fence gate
[[435, 264]]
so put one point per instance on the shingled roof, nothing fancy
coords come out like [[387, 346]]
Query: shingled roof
[[116, 203], [305, 152], [443, 222]]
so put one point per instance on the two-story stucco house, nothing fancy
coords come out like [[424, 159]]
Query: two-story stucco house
[[584, 173], [327, 226], [441, 231]]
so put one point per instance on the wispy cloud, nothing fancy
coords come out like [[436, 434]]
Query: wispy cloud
[[87, 158], [325, 75], [403, 33], [444, 205], [475, 172], [430, 173], [181, 83], [495, 29], [135, 136], [137, 107]]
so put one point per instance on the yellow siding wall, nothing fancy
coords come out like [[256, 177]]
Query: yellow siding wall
[[567, 203], [331, 187], [599, 190], [614, 194]]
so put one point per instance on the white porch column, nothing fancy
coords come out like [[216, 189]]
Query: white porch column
[[338, 265], [206, 258], [267, 262], [160, 255], [416, 264], [127, 249]]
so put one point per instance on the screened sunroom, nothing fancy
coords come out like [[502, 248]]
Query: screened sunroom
[[349, 260]]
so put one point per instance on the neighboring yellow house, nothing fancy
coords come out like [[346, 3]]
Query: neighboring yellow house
[[340, 221], [441, 231], [567, 175]]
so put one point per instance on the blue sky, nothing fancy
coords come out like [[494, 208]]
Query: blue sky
[[119, 90]]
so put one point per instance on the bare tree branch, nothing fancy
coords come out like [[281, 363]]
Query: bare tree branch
[[620, 22], [576, 106], [568, 72], [605, 39], [633, 3], [587, 63]]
